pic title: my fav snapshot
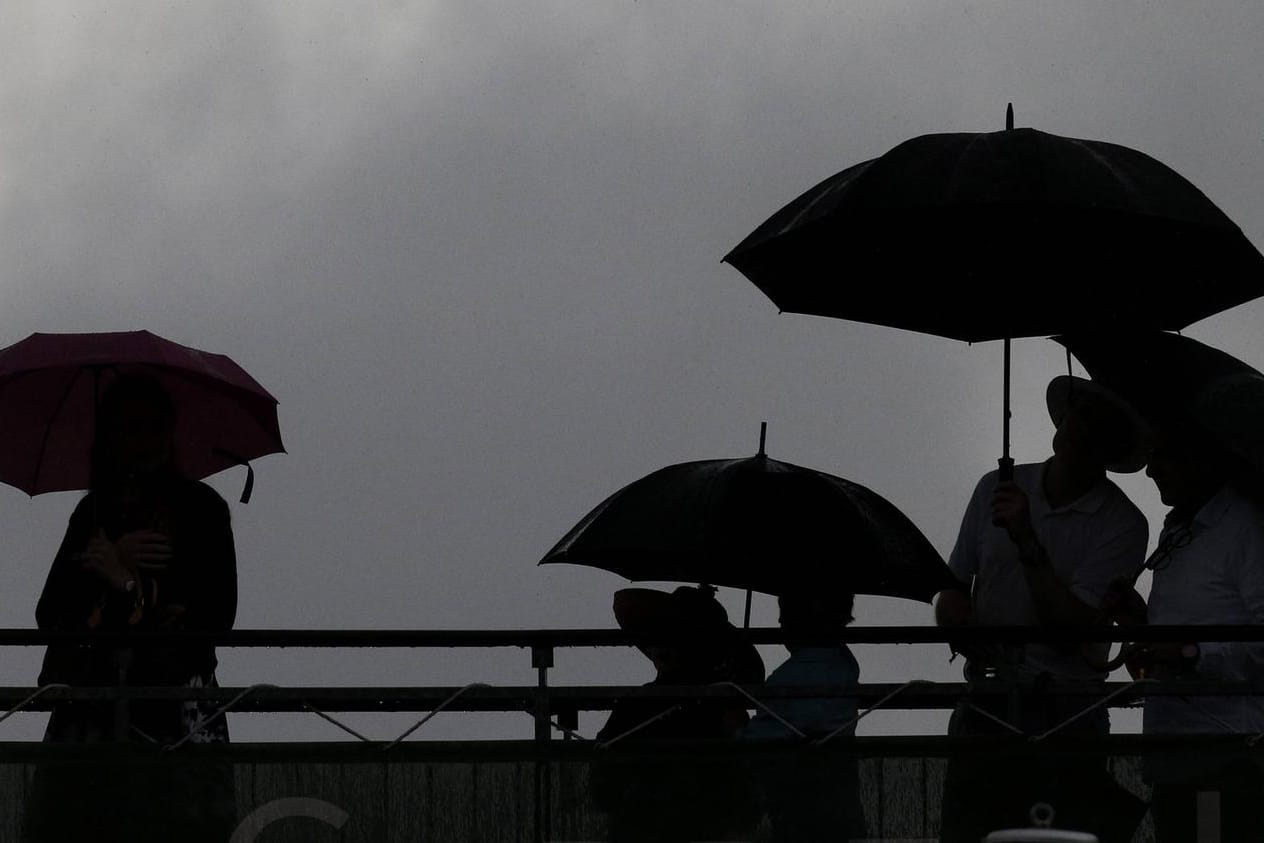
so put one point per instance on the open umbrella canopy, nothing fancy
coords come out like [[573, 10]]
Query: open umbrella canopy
[[758, 524], [995, 235], [1164, 375], [979, 236], [50, 385]]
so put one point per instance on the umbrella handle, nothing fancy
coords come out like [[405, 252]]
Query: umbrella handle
[[248, 489], [1005, 469]]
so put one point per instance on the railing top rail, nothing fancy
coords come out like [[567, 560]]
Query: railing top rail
[[528, 638]]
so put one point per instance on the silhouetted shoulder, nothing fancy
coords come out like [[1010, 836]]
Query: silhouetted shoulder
[[201, 497], [83, 509], [1247, 513], [1124, 505], [983, 488], [989, 479]]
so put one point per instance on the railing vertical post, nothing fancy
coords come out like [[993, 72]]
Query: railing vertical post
[[122, 705], [1014, 703], [542, 660]]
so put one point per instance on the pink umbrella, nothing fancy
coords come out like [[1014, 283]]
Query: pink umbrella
[[50, 385]]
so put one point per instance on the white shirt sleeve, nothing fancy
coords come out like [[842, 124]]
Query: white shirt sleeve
[[1118, 553], [1240, 660]]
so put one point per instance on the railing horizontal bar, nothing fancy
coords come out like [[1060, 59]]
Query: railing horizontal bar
[[584, 698], [875, 746], [485, 638]]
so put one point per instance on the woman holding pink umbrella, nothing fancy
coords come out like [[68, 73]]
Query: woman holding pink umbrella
[[146, 549]]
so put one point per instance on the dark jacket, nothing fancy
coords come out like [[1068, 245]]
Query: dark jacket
[[201, 577]]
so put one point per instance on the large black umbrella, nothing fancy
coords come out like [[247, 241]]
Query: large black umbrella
[[756, 524], [1165, 375], [983, 236]]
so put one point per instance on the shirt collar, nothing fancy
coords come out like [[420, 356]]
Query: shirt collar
[[1086, 504], [1215, 507], [1208, 515]]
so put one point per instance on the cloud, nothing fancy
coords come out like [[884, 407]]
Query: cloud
[[474, 248]]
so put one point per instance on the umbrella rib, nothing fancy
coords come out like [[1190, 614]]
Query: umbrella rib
[[48, 429], [52, 385]]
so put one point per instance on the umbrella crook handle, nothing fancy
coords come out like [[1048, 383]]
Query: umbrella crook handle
[[248, 489]]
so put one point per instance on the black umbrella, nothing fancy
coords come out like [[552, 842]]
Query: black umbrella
[[1164, 375], [982, 236], [757, 524]]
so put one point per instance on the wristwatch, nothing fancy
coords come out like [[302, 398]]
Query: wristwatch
[[1190, 653], [133, 590]]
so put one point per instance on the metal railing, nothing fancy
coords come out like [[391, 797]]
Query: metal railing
[[544, 777], [555, 708], [531, 638]]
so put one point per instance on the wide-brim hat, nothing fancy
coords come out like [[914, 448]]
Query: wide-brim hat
[[697, 617], [1058, 399]]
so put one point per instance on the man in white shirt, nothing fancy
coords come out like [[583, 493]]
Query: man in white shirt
[[1043, 550], [1208, 569]]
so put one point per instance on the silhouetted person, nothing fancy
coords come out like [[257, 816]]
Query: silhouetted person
[[675, 798], [811, 796], [146, 549], [1208, 568], [1043, 550]]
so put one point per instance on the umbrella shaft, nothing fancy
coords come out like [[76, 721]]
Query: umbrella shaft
[[1005, 464]]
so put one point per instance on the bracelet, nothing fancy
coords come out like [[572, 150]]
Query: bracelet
[[133, 587]]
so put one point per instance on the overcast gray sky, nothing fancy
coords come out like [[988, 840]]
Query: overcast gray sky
[[474, 249]]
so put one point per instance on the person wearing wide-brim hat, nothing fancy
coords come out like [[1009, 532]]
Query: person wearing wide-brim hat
[[701, 644], [1044, 549], [1207, 568], [691, 642]]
